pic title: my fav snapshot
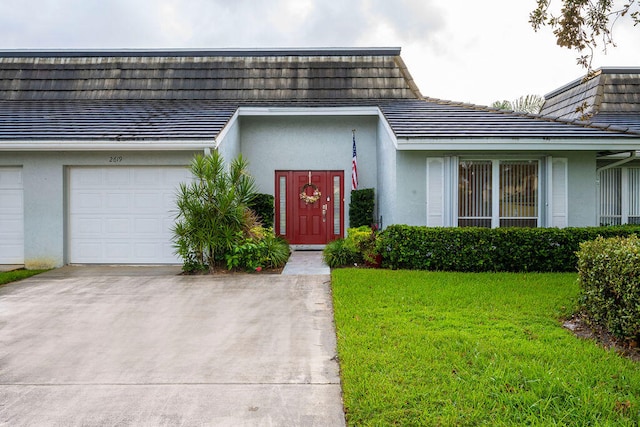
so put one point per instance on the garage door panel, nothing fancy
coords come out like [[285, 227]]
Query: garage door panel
[[169, 201], [87, 227], [11, 216], [117, 226], [175, 175], [148, 202], [10, 253], [148, 178], [11, 177], [11, 227], [91, 251], [117, 200], [144, 226], [147, 251], [11, 201], [83, 201], [120, 252], [125, 216], [87, 178]]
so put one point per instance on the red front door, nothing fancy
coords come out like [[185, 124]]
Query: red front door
[[309, 206]]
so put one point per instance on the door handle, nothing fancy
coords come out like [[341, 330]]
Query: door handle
[[324, 213]]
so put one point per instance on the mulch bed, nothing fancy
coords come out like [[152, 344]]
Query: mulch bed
[[224, 272], [579, 325]]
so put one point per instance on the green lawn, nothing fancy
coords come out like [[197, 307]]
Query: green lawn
[[425, 348], [12, 276]]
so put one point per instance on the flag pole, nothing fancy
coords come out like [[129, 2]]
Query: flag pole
[[354, 164]]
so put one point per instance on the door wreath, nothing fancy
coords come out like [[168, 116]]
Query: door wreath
[[310, 199]]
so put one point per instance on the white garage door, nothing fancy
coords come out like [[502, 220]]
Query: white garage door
[[123, 215], [11, 216]]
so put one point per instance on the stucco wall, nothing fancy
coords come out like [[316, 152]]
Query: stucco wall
[[45, 194], [582, 188], [386, 182], [229, 145], [309, 143], [411, 192]]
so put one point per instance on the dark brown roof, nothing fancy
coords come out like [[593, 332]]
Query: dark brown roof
[[610, 96], [304, 74], [160, 95]]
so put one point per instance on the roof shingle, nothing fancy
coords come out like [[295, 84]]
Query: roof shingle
[[215, 77], [193, 95]]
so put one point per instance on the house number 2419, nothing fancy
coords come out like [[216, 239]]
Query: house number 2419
[[115, 159]]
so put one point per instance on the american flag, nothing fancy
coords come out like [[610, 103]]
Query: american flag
[[354, 166]]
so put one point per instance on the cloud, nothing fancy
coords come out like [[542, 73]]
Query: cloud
[[466, 50], [215, 23]]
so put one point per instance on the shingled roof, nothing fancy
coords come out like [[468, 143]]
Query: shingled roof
[[192, 95], [610, 96], [433, 118], [301, 74]]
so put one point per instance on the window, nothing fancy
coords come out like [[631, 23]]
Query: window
[[475, 194], [620, 196], [282, 200], [496, 193]]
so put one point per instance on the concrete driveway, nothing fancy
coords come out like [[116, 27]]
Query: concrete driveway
[[83, 346]]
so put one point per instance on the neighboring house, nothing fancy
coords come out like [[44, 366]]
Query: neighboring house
[[610, 97], [94, 144]]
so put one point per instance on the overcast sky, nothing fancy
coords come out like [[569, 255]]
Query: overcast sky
[[462, 50]]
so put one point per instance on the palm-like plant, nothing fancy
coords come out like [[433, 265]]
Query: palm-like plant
[[211, 210], [530, 104]]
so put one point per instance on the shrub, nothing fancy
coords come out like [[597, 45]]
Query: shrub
[[340, 253], [360, 246], [364, 239], [609, 277], [211, 210], [361, 207], [247, 254], [484, 249], [276, 251], [251, 253], [262, 205]]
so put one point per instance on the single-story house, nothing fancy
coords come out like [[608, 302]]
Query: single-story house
[[609, 97], [93, 145]]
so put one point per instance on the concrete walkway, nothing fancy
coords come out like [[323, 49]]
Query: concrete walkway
[[94, 346], [307, 263]]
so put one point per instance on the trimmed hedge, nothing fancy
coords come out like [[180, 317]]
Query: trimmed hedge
[[475, 249], [361, 208], [609, 277]]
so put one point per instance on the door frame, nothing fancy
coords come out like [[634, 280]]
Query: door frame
[[284, 205]]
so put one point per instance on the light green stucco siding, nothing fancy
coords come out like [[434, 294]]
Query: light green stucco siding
[[309, 143], [45, 188]]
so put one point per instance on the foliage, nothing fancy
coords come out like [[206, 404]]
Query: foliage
[[453, 349], [246, 254], [365, 241], [361, 207], [530, 104], [211, 210], [609, 276], [340, 253], [583, 25], [360, 246], [15, 275], [276, 251], [484, 249], [262, 205], [254, 253]]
